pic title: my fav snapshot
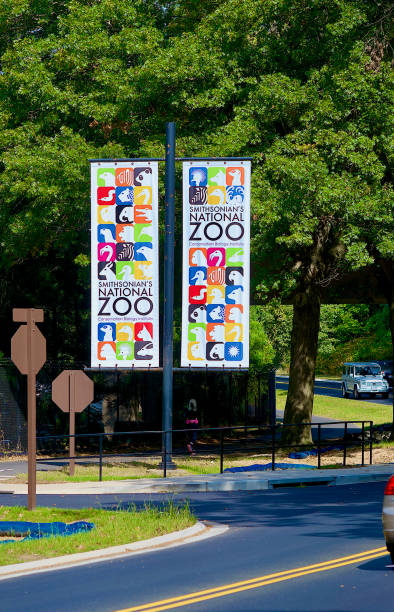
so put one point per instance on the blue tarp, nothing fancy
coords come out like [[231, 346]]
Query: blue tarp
[[35, 531], [262, 467], [313, 452]]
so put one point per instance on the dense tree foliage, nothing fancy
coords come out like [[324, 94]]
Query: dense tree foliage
[[301, 85]]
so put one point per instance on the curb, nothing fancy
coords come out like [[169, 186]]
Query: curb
[[252, 481], [199, 531]]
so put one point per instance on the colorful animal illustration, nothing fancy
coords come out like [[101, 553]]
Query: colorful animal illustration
[[237, 256], [109, 197], [146, 351], [236, 295], [107, 252], [216, 334], [197, 314], [237, 175], [217, 352], [107, 213], [126, 329], [125, 273], [235, 277], [197, 350], [201, 295], [144, 334], [146, 270], [236, 332], [145, 252], [216, 314], [218, 193], [108, 178], [198, 258], [199, 278], [107, 235], [144, 195], [108, 333], [215, 258], [107, 352], [199, 333], [143, 177], [126, 234], [219, 178], [235, 315], [126, 195], [145, 214], [198, 177], [216, 296], [107, 272], [146, 232], [126, 215], [124, 351]]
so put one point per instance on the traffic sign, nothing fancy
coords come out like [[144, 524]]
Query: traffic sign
[[72, 391], [20, 349], [29, 353]]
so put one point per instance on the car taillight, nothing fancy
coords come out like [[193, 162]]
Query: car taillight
[[389, 490]]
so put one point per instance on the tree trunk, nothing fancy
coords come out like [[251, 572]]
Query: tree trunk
[[386, 278], [391, 323], [304, 338]]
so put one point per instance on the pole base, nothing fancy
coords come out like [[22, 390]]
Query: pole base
[[170, 465]]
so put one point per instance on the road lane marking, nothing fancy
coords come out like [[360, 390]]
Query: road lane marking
[[280, 382], [253, 583]]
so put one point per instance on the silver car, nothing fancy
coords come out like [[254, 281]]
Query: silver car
[[388, 516], [360, 377]]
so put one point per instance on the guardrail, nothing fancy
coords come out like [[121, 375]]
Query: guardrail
[[226, 440]]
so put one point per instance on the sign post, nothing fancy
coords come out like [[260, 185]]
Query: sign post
[[168, 319], [72, 391], [28, 352]]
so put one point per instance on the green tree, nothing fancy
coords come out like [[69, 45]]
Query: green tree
[[302, 86]]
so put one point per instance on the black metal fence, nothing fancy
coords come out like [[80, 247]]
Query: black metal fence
[[218, 442]]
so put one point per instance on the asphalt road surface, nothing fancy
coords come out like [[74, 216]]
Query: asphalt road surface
[[332, 388], [313, 549]]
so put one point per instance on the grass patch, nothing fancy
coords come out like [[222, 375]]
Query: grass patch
[[342, 409], [112, 528]]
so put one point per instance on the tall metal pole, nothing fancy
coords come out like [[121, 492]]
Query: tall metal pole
[[168, 334], [31, 417]]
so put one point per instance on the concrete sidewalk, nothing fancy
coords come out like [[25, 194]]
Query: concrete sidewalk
[[241, 481]]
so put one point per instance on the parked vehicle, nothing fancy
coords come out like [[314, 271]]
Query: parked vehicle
[[363, 378], [387, 371], [388, 516]]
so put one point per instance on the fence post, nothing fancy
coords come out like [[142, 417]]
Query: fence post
[[344, 444], [101, 457], [221, 451], [165, 455], [370, 441], [273, 448], [362, 442], [318, 445]]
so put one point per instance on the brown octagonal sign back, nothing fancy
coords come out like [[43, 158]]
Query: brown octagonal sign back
[[72, 391], [19, 349]]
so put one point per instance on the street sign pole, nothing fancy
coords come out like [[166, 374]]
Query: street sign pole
[[71, 409], [28, 352], [168, 321], [72, 391], [31, 419]]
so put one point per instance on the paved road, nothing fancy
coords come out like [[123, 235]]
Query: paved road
[[270, 532], [332, 388]]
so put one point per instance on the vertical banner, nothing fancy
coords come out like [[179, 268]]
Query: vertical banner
[[216, 246], [124, 264]]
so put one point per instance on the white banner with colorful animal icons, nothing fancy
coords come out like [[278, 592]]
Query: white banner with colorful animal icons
[[124, 264], [216, 247]]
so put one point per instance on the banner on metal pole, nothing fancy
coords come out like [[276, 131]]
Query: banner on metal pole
[[124, 264], [216, 247]]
